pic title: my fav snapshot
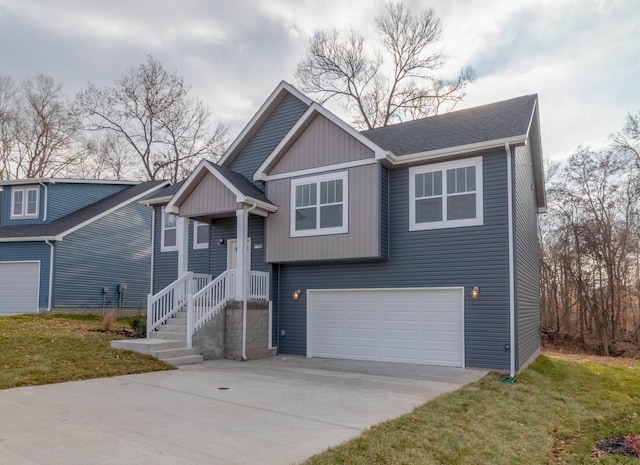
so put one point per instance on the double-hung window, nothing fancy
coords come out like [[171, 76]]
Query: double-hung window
[[200, 235], [446, 195], [24, 202], [169, 238], [319, 205]]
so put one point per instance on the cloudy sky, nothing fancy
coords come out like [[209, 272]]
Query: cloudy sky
[[582, 57]]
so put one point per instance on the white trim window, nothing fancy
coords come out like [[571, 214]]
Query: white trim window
[[25, 202], [169, 236], [446, 195], [319, 205], [200, 235]]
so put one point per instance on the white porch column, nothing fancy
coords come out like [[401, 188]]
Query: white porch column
[[182, 240], [241, 242]]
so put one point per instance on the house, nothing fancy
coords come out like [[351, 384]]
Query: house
[[71, 245], [414, 243]]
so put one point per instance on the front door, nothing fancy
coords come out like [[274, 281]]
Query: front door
[[232, 254]]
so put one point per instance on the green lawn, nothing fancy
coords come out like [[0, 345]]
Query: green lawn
[[553, 414], [43, 349]]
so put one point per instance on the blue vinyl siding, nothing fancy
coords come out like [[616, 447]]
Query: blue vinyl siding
[[30, 251], [285, 115], [5, 205], [165, 264], [198, 258], [470, 256], [527, 259], [67, 198], [112, 250]]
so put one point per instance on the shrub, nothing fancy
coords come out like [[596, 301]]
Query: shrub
[[139, 326], [108, 320]]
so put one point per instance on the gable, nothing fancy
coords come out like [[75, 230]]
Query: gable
[[262, 139], [320, 143], [209, 195]]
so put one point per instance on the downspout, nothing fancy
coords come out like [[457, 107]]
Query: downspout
[[46, 196], [512, 306], [50, 275], [244, 285]]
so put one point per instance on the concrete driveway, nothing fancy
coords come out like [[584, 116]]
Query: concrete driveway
[[275, 411]]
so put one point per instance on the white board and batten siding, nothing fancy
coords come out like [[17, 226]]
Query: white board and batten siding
[[416, 325], [19, 287]]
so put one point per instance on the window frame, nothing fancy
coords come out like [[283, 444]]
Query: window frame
[[442, 167], [24, 214], [163, 229], [317, 180], [200, 245]]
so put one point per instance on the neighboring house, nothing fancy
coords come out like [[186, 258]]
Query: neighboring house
[[413, 243], [74, 244]]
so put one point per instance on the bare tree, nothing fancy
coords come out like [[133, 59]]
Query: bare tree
[[149, 109], [379, 92], [8, 95], [45, 130], [628, 139]]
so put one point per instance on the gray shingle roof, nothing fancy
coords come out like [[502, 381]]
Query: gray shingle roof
[[494, 121], [241, 183], [71, 220]]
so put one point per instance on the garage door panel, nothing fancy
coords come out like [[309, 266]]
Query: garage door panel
[[19, 286], [396, 325]]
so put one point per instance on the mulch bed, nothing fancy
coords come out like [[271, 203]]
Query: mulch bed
[[615, 446]]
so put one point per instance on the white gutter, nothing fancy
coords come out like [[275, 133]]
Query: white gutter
[[244, 284], [50, 275], [46, 196], [451, 151], [512, 306]]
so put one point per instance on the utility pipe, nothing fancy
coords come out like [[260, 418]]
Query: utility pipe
[[244, 284], [50, 275]]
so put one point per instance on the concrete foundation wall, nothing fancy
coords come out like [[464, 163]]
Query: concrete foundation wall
[[209, 340], [257, 331]]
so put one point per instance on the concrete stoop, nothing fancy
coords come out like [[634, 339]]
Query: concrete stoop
[[169, 342]]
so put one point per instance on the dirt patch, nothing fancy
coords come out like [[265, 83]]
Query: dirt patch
[[575, 354], [615, 446], [120, 332]]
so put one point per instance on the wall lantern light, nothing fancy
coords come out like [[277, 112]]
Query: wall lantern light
[[297, 294], [475, 292], [220, 241]]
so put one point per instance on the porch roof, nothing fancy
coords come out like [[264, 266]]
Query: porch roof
[[213, 191]]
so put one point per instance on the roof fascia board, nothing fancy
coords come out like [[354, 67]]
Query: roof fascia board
[[320, 169], [314, 108], [263, 205], [28, 239], [277, 92], [156, 201], [110, 210], [450, 151], [15, 182]]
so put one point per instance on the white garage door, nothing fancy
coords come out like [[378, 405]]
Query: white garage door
[[423, 326], [19, 284]]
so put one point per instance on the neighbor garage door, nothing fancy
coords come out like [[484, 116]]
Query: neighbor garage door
[[393, 325], [19, 283]]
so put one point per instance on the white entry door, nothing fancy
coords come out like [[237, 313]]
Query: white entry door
[[19, 286], [232, 254], [422, 326]]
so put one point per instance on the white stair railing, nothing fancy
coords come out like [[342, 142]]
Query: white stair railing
[[206, 303], [165, 304]]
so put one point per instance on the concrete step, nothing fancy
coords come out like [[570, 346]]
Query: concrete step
[[147, 346], [174, 328], [176, 322], [184, 360], [176, 336], [164, 354]]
